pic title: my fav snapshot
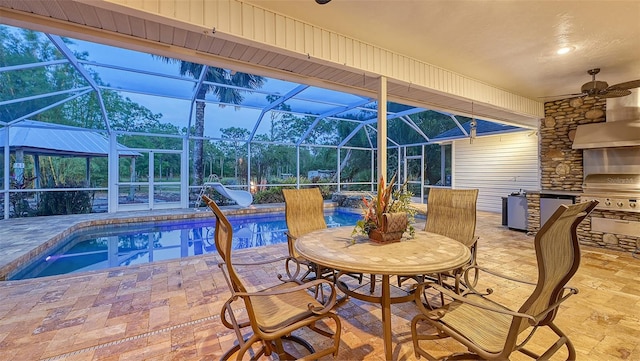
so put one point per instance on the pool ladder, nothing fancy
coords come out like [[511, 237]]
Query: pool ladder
[[205, 187]]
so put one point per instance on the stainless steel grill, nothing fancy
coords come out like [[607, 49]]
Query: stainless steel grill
[[620, 192]]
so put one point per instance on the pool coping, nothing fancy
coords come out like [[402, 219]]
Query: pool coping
[[19, 236]]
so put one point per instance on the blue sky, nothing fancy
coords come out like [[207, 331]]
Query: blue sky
[[175, 111]]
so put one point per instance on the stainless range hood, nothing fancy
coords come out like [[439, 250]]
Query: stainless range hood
[[622, 128]]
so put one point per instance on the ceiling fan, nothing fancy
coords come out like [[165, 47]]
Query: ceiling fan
[[600, 89]]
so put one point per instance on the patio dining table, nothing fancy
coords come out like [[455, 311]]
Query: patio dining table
[[426, 253]]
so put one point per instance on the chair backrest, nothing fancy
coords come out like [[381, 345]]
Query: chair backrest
[[224, 239], [304, 212], [558, 257], [452, 213]]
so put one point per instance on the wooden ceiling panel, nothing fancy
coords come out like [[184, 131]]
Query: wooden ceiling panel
[[90, 16], [312, 67], [152, 30], [227, 49], [340, 76], [73, 11], [238, 51], [28, 6], [217, 46], [122, 23], [268, 57], [52, 9], [205, 43], [287, 63], [106, 19], [277, 60], [138, 27], [258, 57], [166, 34], [299, 66], [193, 39], [248, 54], [179, 37]]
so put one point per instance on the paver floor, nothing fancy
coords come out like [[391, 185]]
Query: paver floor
[[170, 310]]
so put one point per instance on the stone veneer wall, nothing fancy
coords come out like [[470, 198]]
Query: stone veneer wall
[[533, 212], [561, 169], [560, 165]]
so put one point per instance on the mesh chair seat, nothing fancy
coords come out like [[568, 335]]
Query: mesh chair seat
[[277, 311], [482, 327]]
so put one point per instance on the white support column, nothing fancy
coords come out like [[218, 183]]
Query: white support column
[[6, 172], [297, 167], [382, 129], [402, 151], [339, 168], [87, 171], [373, 177], [113, 174], [249, 167], [18, 167], [152, 186], [38, 174], [422, 164], [184, 173], [443, 167]]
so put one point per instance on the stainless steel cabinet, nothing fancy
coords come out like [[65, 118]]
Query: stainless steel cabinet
[[517, 212], [548, 206]]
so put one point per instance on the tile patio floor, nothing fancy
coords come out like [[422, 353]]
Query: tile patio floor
[[169, 310]]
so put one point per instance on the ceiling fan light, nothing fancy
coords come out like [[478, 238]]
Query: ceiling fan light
[[564, 50], [596, 85], [322, 2]]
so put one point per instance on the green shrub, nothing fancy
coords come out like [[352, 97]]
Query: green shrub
[[65, 202], [269, 195]]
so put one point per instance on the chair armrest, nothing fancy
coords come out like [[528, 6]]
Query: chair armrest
[[439, 313], [292, 276], [571, 291], [259, 263], [477, 269], [327, 306]]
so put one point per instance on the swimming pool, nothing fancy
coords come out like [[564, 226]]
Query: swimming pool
[[115, 246]]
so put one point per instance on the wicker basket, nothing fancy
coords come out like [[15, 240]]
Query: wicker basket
[[393, 226]]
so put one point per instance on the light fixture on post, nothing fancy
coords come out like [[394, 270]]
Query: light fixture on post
[[472, 126]]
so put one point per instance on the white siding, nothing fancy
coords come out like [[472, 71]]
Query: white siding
[[497, 166]]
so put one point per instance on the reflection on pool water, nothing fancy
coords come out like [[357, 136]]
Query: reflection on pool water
[[107, 247]]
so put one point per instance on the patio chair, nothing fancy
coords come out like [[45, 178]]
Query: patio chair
[[304, 213], [273, 312], [493, 331], [452, 213]]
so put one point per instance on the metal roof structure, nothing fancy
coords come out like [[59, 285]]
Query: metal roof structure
[[42, 138], [156, 84]]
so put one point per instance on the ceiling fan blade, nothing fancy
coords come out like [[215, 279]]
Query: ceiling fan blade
[[626, 85], [613, 93]]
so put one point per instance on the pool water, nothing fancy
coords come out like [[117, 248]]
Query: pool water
[[115, 246]]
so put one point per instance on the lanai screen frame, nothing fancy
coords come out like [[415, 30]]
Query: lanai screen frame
[[368, 124]]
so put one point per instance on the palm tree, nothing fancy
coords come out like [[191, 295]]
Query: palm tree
[[223, 94]]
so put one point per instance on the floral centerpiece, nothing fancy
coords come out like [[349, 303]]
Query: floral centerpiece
[[388, 214]]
